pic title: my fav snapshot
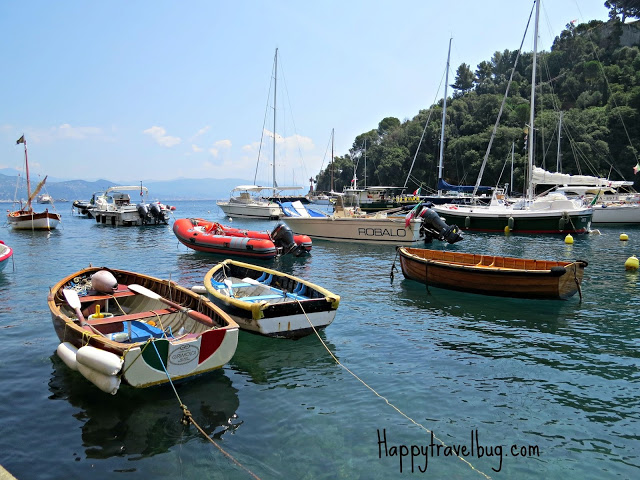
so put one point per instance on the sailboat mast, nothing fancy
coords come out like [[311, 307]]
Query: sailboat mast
[[331, 189], [513, 147], [533, 103], [275, 90], [559, 157], [444, 113], [26, 165], [365, 163]]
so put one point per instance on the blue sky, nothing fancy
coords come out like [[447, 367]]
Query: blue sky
[[158, 90]]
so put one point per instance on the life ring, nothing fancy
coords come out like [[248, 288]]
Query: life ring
[[14, 214]]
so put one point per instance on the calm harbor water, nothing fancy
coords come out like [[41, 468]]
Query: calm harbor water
[[531, 389]]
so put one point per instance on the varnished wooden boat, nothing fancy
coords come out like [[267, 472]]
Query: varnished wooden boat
[[492, 275], [144, 339], [268, 302]]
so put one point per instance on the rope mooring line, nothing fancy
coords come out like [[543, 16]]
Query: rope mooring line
[[188, 418], [383, 397]]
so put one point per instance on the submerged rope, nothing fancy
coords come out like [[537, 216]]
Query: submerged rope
[[382, 397], [188, 418]]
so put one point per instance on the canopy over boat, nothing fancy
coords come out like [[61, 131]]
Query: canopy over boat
[[543, 177]]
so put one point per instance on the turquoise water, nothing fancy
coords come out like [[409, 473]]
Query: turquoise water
[[555, 382]]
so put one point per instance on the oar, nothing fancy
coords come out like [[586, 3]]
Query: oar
[[197, 316], [74, 302]]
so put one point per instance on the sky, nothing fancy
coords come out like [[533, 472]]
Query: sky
[[145, 90]]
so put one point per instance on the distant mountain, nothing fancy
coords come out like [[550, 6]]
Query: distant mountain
[[180, 189]]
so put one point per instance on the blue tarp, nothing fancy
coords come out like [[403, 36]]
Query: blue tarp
[[442, 185]]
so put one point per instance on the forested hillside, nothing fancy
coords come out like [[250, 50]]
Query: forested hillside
[[591, 77]]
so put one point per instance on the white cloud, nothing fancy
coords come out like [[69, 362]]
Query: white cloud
[[220, 145], [196, 148], [200, 132], [159, 134]]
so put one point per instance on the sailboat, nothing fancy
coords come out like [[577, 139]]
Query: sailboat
[[25, 218], [553, 213], [249, 200]]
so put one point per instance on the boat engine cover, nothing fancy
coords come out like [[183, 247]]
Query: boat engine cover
[[143, 210], [156, 211], [282, 237], [434, 227]]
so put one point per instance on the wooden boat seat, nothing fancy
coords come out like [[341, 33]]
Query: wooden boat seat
[[123, 291], [222, 286], [259, 298], [130, 317]]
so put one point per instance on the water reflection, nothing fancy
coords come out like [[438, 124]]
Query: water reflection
[[282, 362], [139, 423]]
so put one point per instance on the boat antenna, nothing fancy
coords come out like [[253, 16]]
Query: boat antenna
[[444, 116]]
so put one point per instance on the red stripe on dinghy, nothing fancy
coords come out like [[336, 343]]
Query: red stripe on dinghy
[[210, 343]]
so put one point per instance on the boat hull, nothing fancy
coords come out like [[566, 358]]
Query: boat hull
[[268, 211], [33, 221], [519, 221], [211, 237], [616, 213], [492, 275], [284, 307], [5, 254], [383, 231], [152, 360]]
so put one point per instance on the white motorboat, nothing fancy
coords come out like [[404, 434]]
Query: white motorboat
[[114, 207]]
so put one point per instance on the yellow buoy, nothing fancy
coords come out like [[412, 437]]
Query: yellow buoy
[[507, 229], [624, 237], [631, 263], [568, 239]]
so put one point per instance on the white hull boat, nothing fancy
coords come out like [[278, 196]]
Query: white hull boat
[[249, 204], [347, 225]]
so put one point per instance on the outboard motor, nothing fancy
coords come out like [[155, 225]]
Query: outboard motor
[[282, 237], [143, 211], [434, 227], [156, 213]]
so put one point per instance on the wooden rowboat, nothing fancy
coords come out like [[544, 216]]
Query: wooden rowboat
[[144, 331], [493, 275], [268, 302]]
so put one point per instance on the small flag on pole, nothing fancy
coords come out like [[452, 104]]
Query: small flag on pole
[[417, 192], [20, 140], [636, 168]]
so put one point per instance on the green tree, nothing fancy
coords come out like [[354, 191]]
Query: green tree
[[623, 8], [464, 79]]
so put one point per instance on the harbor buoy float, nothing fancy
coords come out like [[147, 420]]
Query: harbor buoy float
[[507, 229], [568, 239], [631, 263], [624, 237]]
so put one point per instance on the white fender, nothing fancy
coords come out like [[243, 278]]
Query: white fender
[[106, 383], [99, 360], [104, 281], [67, 354]]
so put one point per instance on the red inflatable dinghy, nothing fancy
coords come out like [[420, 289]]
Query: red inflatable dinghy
[[212, 237]]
